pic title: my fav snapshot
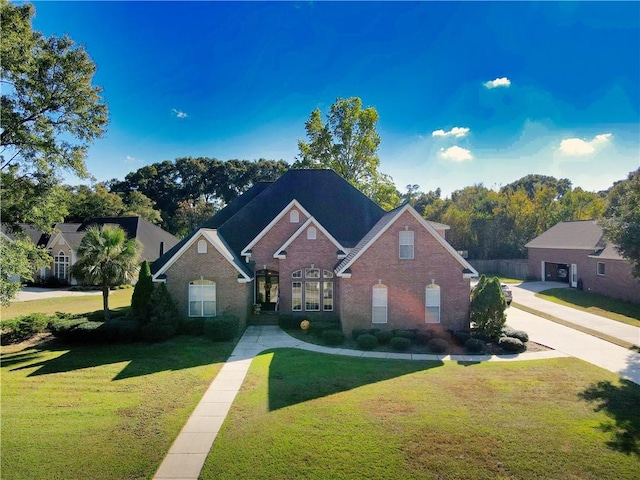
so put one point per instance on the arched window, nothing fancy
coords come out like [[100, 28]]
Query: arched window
[[61, 266], [297, 274], [202, 246], [202, 298], [311, 233], [294, 216], [432, 303], [379, 304]]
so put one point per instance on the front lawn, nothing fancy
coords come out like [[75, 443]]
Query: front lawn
[[611, 308], [118, 299], [99, 412], [307, 415]]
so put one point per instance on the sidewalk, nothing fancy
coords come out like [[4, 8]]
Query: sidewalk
[[190, 449], [525, 294]]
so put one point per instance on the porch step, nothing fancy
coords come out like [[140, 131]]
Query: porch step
[[265, 318]]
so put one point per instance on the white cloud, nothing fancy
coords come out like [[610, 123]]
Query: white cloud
[[577, 147], [129, 159], [178, 113], [498, 82], [456, 154], [457, 132]]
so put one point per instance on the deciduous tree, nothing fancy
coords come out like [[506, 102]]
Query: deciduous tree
[[348, 144]]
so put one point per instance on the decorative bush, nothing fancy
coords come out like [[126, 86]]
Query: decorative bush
[[438, 345], [221, 329], [488, 306], [461, 337], [423, 337], [333, 337], [511, 344], [400, 343], [163, 318], [23, 328], [508, 331], [320, 326], [474, 345], [288, 322], [384, 336], [405, 333], [120, 330], [356, 332], [141, 298], [366, 341], [520, 335], [192, 326]]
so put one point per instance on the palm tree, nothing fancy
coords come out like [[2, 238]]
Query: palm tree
[[107, 258]]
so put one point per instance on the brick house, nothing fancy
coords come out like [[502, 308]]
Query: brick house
[[578, 254], [312, 246], [63, 243]]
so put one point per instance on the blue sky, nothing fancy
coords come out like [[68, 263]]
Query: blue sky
[[466, 92]]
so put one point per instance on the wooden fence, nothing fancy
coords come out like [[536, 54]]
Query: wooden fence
[[514, 268]]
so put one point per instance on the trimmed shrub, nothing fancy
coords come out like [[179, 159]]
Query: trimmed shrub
[[164, 317], [487, 307], [121, 330], [318, 327], [384, 336], [461, 337], [400, 343], [141, 298], [438, 345], [356, 332], [23, 328], [333, 337], [511, 344], [288, 322], [405, 333], [474, 345], [221, 329], [423, 337], [366, 341], [512, 332], [192, 326]]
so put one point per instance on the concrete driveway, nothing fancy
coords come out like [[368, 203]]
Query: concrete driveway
[[35, 293], [622, 361]]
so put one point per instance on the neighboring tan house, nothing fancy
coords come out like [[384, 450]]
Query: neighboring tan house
[[577, 253], [313, 246], [63, 243]]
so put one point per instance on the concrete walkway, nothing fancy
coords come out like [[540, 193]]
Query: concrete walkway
[[525, 295], [190, 449]]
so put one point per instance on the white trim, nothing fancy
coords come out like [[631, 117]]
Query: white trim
[[265, 230], [303, 227], [429, 229], [214, 239], [384, 288], [52, 243]]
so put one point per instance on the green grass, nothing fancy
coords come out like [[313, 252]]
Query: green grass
[[78, 304], [613, 309], [313, 416], [99, 412]]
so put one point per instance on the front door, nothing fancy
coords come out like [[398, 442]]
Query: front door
[[267, 289]]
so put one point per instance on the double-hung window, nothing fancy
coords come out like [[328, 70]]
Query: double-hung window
[[379, 304], [406, 244], [312, 296], [432, 304], [202, 298]]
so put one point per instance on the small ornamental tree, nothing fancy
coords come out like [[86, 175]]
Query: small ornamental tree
[[488, 306], [141, 298], [163, 316]]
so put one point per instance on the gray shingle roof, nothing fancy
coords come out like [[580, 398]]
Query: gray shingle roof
[[343, 210], [582, 235]]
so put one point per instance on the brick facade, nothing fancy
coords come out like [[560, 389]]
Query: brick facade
[[232, 298], [617, 282], [406, 281]]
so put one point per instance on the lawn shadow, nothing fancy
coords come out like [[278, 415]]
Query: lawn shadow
[[141, 358], [620, 402], [296, 376]]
